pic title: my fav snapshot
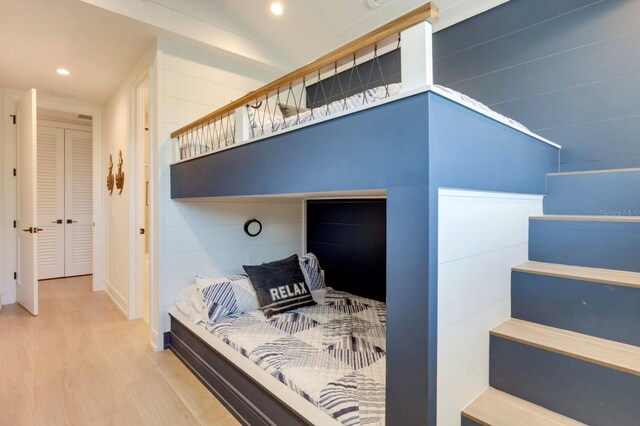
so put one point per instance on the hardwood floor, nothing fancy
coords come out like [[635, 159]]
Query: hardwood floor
[[81, 362]]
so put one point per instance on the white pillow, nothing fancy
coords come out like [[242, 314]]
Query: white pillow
[[189, 301], [268, 114], [313, 274], [224, 296]]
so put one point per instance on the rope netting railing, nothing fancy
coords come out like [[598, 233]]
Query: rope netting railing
[[213, 135], [358, 74], [348, 84]]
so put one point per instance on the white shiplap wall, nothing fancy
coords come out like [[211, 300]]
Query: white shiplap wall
[[481, 235], [117, 137], [206, 236]]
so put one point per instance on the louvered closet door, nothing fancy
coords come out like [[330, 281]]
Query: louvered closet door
[[50, 202], [78, 203]]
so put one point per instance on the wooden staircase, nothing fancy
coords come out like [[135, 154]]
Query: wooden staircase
[[570, 354]]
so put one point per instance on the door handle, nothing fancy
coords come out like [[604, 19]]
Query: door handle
[[71, 221], [36, 230], [29, 230], [59, 221]]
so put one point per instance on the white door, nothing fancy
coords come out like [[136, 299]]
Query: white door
[[50, 202], [27, 282], [78, 203]]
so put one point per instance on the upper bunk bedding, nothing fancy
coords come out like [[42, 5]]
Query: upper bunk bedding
[[267, 118], [263, 122], [332, 354]]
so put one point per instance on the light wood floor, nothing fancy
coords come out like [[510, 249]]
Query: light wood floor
[[81, 362]]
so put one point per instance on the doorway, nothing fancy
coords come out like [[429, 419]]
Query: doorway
[[140, 205], [21, 149], [146, 205], [65, 195]]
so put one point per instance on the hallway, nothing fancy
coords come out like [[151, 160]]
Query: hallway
[[81, 362]]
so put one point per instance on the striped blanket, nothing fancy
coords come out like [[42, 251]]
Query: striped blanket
[[332, 354]]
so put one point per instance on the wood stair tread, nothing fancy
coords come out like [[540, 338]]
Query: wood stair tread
[[581, 273], [595, 172], [616, 355], [587, 218], [497, 408]]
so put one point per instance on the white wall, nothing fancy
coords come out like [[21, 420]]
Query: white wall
[[7, 163], [200, 237], [481, 235], [207, 237]]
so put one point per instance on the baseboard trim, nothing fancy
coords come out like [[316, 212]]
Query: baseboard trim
[[155, 342], [119, 300]]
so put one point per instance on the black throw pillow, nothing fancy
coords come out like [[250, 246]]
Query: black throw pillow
[[280, 286], [281, 261]]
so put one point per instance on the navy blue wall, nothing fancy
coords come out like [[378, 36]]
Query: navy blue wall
[[568, 69], [349, 238], [322, 157], [380, 71]]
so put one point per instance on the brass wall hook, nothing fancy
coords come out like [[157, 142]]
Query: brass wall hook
[[110, 177], [120, 173]]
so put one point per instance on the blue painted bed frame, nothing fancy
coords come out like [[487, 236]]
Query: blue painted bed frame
[[409, 147]]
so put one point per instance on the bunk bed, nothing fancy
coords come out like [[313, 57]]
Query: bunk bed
[[365, 118]]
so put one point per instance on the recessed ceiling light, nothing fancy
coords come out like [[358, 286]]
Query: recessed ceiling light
[[277, 8], [63, 71]]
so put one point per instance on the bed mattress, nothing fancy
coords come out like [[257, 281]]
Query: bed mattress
[[332, 354], [268, 120], [264, 123]]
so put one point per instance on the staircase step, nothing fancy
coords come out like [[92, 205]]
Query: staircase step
[[597, 302], [496, 408], [615, 355], [582, 273], [593, 241], [587, 218], [596, 192], [595, 172], [592, 380]]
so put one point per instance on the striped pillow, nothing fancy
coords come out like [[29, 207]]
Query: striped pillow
[[224, 296], [312, 272]]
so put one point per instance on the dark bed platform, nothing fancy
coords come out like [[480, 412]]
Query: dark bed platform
[[243, 396]]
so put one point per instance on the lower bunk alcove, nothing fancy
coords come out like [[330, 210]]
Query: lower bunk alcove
[[322, 364]]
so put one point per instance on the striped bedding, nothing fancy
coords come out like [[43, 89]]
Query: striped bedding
[[332, 354]]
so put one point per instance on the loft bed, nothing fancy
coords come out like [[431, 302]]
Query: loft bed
[[366, 117]]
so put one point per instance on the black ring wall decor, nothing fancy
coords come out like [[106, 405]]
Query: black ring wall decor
[[248, 224]]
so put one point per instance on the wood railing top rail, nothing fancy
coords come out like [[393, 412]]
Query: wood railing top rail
[[426, 12]]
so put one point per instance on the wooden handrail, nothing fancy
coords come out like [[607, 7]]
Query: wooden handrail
[[426, 12]]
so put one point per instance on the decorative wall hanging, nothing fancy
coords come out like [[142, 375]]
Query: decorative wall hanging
[[110, 177], [253, 227], [120, 173]]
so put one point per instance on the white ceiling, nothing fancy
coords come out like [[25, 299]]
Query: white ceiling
[[309, 28], [101, 40], [97, 46]]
